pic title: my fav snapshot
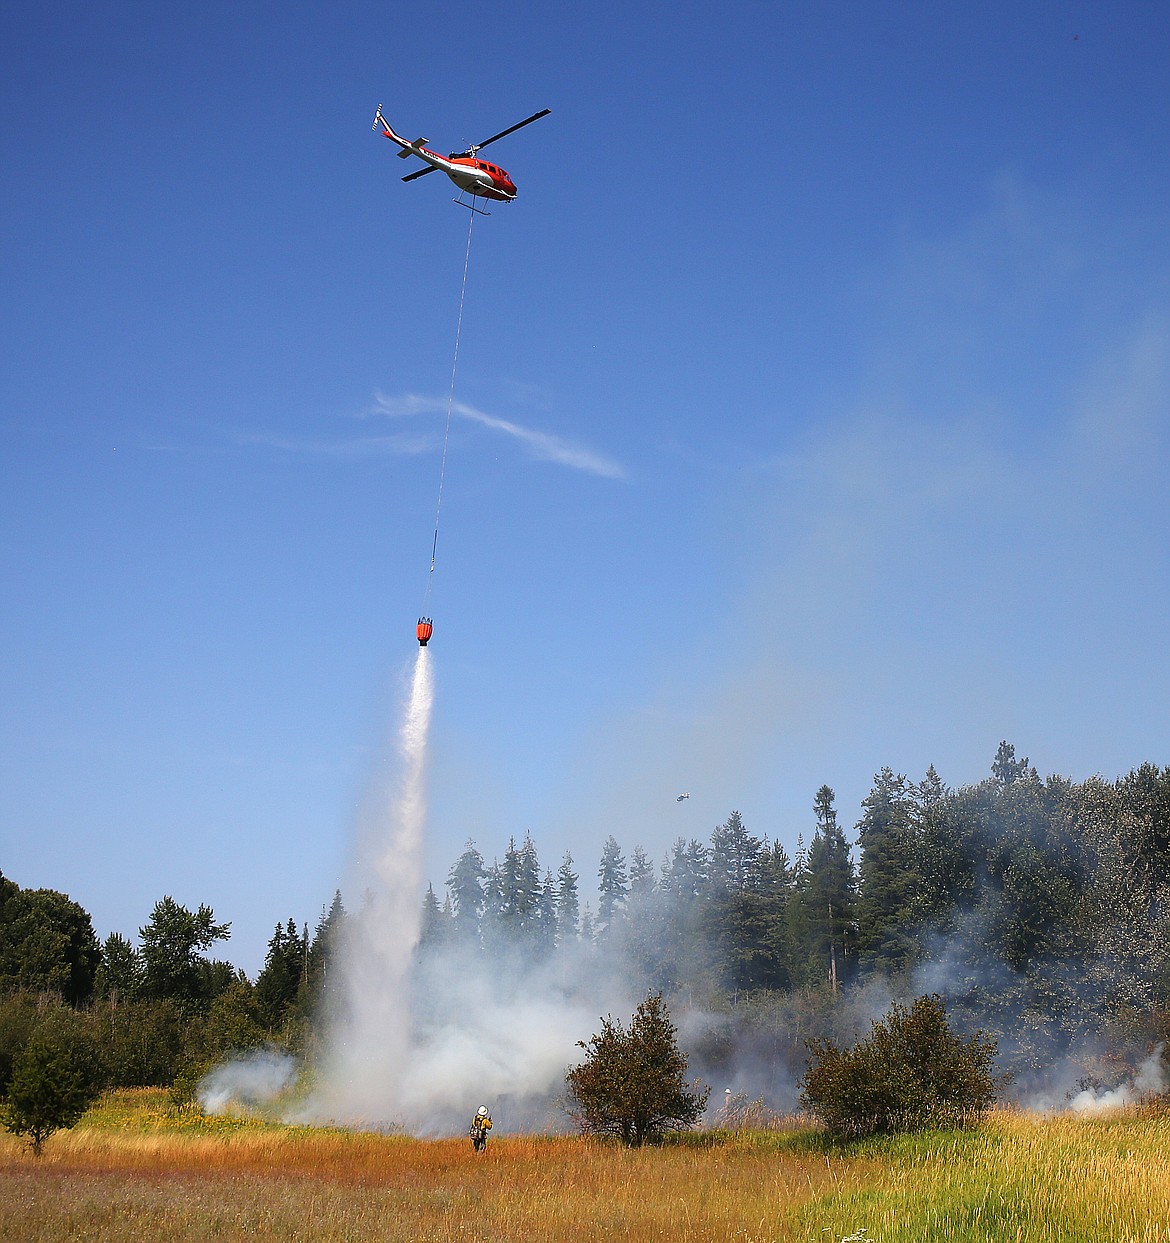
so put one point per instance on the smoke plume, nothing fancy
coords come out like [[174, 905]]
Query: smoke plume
[[246, 1083]]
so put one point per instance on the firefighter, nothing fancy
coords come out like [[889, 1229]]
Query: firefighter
[[481, 1124]]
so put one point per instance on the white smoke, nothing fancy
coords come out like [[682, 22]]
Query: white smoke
[[246, 1083], [501, 1028], [1149, 1080], [367, 1068]]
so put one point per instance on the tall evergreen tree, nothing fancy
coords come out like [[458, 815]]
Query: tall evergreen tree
[[777, 898], [829, 897], [734, 855], [514, 900], [465, 883], [278, 984], [686, 873], [947, 862], [641, 875], [529, 892], [436, 925], [496, 888], [683, 956], [612, 883], [568, 905], [544, 925], [319, 982], [889, 875], [1005, 768], [734, 914]]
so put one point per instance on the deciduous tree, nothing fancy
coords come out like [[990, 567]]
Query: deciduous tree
[[171, 943], [632, 1084], [911, 1073]]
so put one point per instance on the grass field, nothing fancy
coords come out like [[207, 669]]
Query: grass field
[[132, 1172]]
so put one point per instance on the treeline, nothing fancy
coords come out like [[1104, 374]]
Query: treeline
[[160, 1013], [1037, 908]]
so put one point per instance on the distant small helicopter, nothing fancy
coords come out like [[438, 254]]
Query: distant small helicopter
[[479, 178]]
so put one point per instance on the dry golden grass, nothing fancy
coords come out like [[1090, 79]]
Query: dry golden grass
[[130, 1172], [114, 1180]]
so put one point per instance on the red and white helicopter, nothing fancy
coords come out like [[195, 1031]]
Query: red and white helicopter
[[479, 178]]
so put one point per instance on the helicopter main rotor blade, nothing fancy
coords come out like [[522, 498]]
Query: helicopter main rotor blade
[[422, 172], [502, 134]]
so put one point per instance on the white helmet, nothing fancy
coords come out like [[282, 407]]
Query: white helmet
[[481, 1112]]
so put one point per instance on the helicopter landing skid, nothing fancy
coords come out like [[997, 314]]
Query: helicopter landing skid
[[479, 211]]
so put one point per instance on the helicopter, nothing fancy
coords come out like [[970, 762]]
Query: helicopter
[[479, 178]]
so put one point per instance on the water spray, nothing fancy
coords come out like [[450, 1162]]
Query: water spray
[[364, 1075]]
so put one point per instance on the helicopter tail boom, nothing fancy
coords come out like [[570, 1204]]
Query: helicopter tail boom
[[408, 148]]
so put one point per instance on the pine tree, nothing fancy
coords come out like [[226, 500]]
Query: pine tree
[[947, 862], [512, 902], [492, 931], [1005, 768], [612, 883], [529, 893], [278, 983], [568, 906], [683, 956], [686, 874], [465, 883], [435, 928], [733, 913], [829, 896], [544, 926], [889, 875], [734, 855], [319, 984], [765, 952]]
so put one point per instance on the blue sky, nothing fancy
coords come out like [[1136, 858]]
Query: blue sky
[[812, 415]]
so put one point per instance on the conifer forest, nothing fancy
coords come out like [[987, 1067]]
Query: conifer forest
[[1038, 909]]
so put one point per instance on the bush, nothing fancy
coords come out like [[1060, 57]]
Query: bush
[[911, 1074], [18, 1017], [55, 1078], [142, 1042], [633, 1084]]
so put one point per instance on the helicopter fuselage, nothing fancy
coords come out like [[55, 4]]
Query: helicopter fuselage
[[474, 176]]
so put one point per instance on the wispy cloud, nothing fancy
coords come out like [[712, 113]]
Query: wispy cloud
[[541, 445]]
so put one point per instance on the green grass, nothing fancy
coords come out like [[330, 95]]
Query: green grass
[[1019, 1177]]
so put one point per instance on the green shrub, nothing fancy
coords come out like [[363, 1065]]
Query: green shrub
[[55, 1078], [632, 1084], [911, 1074]]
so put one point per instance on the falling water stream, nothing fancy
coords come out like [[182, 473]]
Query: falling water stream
[[362, 1079]]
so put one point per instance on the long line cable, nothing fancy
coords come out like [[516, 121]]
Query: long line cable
[[450, 408]]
